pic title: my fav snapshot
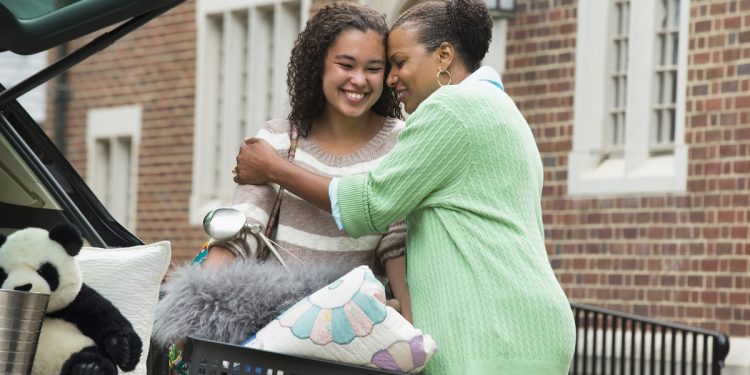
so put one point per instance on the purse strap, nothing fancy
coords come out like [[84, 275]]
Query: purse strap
[[273, 220]]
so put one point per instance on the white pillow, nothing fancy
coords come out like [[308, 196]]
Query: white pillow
[[348, 321], [130, 279]]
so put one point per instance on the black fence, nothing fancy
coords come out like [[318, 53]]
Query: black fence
[[613, 343]]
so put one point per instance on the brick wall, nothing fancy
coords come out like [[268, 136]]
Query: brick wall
[[679, 257]]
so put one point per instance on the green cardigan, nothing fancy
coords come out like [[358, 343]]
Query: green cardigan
[[467, 175]]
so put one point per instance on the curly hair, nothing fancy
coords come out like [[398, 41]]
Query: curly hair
[[305, 75], [467, 24]]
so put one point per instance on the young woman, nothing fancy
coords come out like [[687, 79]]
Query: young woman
[[346, 123], [467, 176]]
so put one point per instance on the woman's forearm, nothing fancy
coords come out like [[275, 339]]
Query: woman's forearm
[[303, 183], [258, 163], [218, 256], [395, 270]]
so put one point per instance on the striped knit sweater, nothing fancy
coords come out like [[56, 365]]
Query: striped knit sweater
[[308, 232], [467, 175]]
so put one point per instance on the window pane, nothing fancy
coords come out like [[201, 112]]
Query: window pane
[[101, 174], [216, 23], [665, 73], [245, 57], [614, 135]]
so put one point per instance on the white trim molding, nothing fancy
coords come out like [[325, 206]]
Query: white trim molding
[[593, 169]]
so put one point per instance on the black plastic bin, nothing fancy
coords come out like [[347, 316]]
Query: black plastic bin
[[215, 358]]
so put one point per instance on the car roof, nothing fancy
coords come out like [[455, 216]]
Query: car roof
[[31, 26]]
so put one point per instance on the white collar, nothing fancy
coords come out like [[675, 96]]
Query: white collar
[[485, 73]]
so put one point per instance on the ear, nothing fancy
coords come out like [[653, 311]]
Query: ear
[[2, 239], [68, 237], [445, 53]]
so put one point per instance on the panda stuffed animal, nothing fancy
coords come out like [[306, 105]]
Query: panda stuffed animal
[[83, 333]]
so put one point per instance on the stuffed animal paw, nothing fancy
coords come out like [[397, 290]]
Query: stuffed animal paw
[[89, 361], [125, 349]]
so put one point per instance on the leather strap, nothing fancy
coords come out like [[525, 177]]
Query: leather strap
[[273, 220]]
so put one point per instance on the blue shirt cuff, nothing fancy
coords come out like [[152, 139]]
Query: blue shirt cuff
[[333, 195]]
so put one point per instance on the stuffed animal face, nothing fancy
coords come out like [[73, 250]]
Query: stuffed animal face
[[35, 260]]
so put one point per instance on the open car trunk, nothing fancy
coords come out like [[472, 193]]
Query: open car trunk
[[39, 186]]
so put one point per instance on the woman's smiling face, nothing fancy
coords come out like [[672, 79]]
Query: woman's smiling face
[[353, 72], [413, 69]]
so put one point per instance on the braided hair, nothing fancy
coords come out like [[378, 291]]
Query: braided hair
[[305, 69], [466, 24]]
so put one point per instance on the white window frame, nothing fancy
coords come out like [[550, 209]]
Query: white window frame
[[226, 113], [637, 171], [116, 187]]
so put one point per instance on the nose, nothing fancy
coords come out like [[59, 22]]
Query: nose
[[392, 78], [23, 288], [358, 78]]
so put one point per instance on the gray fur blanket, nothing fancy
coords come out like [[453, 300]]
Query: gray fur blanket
[[232, 303]]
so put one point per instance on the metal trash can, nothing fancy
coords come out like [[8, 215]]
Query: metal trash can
[[21, 317]]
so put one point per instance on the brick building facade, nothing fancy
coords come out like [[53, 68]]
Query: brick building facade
[[679, 255]]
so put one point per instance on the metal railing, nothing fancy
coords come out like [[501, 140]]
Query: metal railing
[[613, 343]]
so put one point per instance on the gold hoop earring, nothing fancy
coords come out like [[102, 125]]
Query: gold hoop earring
[[440, 72]]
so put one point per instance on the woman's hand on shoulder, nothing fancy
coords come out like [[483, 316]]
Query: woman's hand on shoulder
[[256, 159]]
